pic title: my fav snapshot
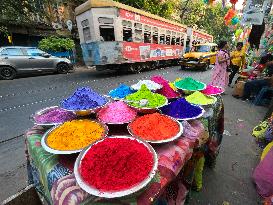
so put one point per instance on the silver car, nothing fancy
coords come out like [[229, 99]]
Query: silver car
[[16, 60]]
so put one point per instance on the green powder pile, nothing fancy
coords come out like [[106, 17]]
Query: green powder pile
[[154, 100], [189, 84], [199, 98]]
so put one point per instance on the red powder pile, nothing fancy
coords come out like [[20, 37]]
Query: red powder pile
[[154, 127], [116, 164]]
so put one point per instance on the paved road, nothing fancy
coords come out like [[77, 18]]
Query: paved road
[[19, 98]]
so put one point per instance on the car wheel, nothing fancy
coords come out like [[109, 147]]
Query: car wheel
[[62, 68], [7, 73]]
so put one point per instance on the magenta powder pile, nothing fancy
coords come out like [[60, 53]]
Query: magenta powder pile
[[117, 113], [212, 90], [54, 115], [166, 90]]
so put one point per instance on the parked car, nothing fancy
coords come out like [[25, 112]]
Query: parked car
[[201, 56], [15, 60]]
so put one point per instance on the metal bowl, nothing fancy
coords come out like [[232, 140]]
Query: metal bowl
[[179, 134], [54, 151], [88, 111], [42, 111], [114, 194]]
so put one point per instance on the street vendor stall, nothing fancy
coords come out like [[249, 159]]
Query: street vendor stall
[[142, 146]]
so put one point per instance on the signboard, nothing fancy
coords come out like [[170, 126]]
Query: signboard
[[142, 51], [253, 12], [146, 20]]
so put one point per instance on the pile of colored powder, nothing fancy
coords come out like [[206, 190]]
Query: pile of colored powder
[[212, 90], [54, 115], [154, 127], [172, 83], [121, 92], [181, 109], [166, 90], [75, 135], [83, 99], [116, 164], [151, 85], [117, 113], [189, 84], [199, 98], [154, 100]]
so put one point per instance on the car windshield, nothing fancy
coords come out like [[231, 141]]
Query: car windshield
[[202, 48]]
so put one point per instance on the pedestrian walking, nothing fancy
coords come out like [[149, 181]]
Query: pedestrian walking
[[237, 62], [220, 74]]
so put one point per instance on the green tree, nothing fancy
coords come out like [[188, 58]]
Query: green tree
[[164, 9], [209, 18], [57, 44]]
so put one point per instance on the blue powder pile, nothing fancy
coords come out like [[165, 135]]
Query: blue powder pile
[[83, 99], [181, 109], [121, 92]]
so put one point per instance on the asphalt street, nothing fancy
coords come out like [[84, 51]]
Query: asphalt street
[[21, 97]]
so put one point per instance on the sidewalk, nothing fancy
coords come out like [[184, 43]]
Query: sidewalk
[[231, 180]]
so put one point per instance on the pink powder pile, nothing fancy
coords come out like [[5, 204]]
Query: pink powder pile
[[117, 113], [166, 90], [212, 90]]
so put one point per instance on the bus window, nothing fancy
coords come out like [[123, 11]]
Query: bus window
[[138, 32], [182, 40], [162, 39], [168, 39], [173, 38], [147, 34], [127, 31], [177, 41], [155, 35], [107, 33], [86, 30]]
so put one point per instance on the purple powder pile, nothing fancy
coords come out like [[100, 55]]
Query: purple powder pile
[[181, 109], [83, 99], [54, 115]]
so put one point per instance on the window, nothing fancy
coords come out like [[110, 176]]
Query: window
[[155, 35], [107, 33], [173, 38], [168, 39], [86, 30], [182, 40], [147, 34], [138, 32], [162, 39], [4, 52], [202, 48], [177, 41], [104, 20], [127, 31], [34, 52], [15, 52]]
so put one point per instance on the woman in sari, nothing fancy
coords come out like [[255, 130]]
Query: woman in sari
[[220, 73]]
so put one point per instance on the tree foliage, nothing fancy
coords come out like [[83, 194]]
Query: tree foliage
[[209, 18], [164, 9], [56, 44]]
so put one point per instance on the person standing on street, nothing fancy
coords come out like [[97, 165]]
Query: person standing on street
[[238, 61], [220, 74]]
